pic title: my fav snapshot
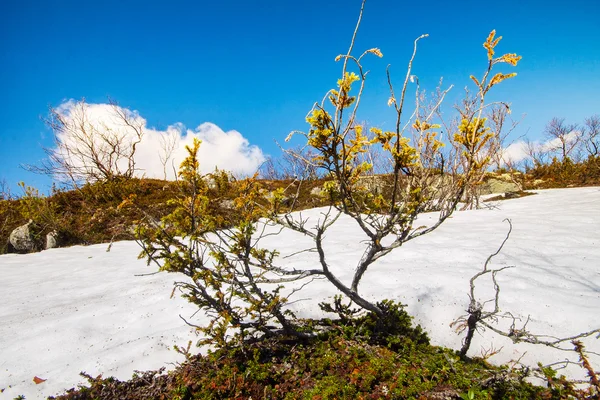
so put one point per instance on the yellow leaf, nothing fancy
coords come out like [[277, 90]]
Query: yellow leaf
[[510, 58], [491, 36], [499, 77], [490, 43], [375, 51]]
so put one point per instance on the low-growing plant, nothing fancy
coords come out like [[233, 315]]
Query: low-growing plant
[[36, 207], [394, 329], [567, 173], [330, 366]]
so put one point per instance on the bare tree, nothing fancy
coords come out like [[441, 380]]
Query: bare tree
[[168, 143], [89, 147], [502, 125], [591, 135], [270, 170], [5, 192], [536, 152], [292, 164], [563, 137]]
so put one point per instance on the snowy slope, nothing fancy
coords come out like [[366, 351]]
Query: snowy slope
[[63, 311]]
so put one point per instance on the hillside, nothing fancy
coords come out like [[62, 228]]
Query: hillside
[[92, 214], [85, 309]]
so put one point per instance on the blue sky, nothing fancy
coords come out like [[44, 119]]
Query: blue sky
[[257, 66]]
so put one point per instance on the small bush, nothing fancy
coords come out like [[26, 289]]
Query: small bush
[[393, 330], [566, 173]]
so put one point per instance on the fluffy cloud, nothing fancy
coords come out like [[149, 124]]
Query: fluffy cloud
[[519, 151], [515, 152], [159, 152]]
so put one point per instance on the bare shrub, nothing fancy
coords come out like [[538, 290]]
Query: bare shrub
[[291, 164], [87, 148], [563, 138], [481, 316], [591, 135], [168, 145], [5, 192]]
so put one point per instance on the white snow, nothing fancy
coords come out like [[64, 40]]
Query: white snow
[[75, 309]]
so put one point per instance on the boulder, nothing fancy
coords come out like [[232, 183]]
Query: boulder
[[23, 239], [317, 191], [494, 185], [52, 240]]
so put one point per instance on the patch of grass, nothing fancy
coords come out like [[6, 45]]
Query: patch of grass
[[92, 214]]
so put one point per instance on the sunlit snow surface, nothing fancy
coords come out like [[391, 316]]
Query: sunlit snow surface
[[63, 311]]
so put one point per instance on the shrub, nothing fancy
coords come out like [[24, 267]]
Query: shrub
[[238, 283], [227, 268]]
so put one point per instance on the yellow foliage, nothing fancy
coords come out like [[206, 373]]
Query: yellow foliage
[[404, 154], [375, 51], [341, 98], [490, 43], [346, 83], [476, 81], [499, 77], [424, 126], [473, 132], [189, 166], [320, 134], [510, 58]]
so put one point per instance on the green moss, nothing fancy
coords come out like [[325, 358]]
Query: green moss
[[331, 366]]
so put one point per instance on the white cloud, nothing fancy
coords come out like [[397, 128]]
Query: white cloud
[[555, 144], [517, 151], [229, 150]]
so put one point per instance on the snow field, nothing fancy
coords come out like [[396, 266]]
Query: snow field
[[75, 309]]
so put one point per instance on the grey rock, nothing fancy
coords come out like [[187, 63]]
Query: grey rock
[[317, 191], [498, 186], [23, 239], [52, 240]]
